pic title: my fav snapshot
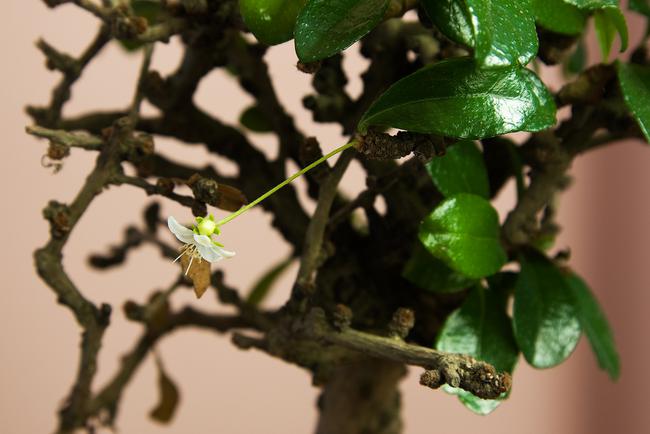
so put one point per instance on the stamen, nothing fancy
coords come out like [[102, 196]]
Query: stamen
[[190, 264], [183, 251]]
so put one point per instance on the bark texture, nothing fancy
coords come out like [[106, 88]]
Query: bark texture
[[362, 398]]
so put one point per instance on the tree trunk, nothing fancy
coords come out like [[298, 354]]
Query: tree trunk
[[362, 398]]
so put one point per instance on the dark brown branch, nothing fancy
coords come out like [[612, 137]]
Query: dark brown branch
[[126, 26], [151, 189], [457, 370], [376, 187], [92, 319], [553, 155], [256, 176], [72, 70], [380, 146], [316, 229], [108, 397], [255, 79], [49, 266]]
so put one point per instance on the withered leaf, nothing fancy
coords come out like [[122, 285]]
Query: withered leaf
[[231, 198], [199, 274], [219, 195], [169, 396], [158, 311]]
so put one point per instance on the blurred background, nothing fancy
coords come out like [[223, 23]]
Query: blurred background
[[605, 217]]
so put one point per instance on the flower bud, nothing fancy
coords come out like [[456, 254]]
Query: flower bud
[[206, 226]]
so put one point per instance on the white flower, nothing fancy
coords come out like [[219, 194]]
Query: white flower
[[198, 242]]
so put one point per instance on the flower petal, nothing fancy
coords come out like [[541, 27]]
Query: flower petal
[[183, 234], [207, 249], [225, 253]]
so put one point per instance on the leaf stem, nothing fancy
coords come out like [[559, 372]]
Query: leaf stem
[[285, 182]]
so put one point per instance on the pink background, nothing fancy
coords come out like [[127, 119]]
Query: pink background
[[605, 217]]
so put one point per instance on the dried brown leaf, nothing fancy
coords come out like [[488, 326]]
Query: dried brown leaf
[[169, 396], [199, 274]]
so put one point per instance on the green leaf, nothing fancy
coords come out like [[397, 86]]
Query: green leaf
[[559, 16], [455, 99], [501, 32], [593, 4], [253, 119], [595, 325], [149, 9], [169, 396], [546, 322], [460, 170], [607, 22], [453, 19], [504, 32], [578, 59], [605, 33], [635, 84], [427, 272], [482, 329], [640, 6], [463, 232], [262, 287], [474, 403], [271, 21], [325, 27]]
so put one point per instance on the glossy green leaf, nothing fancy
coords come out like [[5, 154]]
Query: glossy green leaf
[[593, 4], [608, 22], [501, 32], [546, 321], [263, 286], [455, 99], [271, 21], [427, 272], [635, 84], [169, 397], [460, 170], [504, 32], [474, 403], [482, 329], [253, 119], [453, 19], [463, 232], [640, 6], [559, 16], [595, 325], [325, 27]]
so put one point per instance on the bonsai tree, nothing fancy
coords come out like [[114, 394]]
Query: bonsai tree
[[421, 284]]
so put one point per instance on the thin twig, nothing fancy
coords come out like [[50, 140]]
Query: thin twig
[[316, 229], [151, 189], [62, 137]]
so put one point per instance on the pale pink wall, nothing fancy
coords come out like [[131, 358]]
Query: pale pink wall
[[228, 391]]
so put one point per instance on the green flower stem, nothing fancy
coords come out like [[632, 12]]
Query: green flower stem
[[285, 182]]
